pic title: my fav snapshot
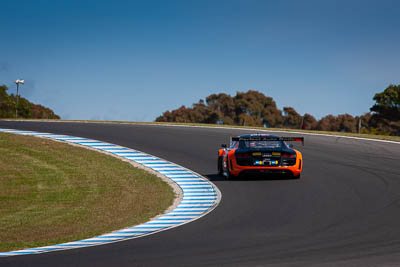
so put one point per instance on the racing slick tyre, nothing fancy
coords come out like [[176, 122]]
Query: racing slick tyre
[[220, 170]]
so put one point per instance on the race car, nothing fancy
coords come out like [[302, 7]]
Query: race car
[[260, 154]]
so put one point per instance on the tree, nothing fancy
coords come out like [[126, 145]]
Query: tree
[[328, 123], [223, 103], [386, 110], [250, 108], [253, 108], [347, 123], [26, 109], [309, 122], [292, 119], [6, 104], [261, 109], [340, 123], [387, 104]]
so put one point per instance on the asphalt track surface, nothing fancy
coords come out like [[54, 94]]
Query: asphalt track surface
[[345, 209]]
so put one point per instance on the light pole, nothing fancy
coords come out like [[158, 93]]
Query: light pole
[[18, 82]]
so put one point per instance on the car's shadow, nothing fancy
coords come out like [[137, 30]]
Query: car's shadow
[[220, 178]]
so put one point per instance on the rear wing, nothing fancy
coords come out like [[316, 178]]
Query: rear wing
[[267, 138]]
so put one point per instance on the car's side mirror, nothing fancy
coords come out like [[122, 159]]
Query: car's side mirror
[[290, 145], [224, 146]]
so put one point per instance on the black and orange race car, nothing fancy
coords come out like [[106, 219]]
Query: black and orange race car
[[259, 154]]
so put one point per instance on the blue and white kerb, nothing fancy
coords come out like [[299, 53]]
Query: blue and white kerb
[[200, 196]]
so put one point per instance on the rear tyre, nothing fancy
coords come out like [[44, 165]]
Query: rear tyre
[[219, 165]]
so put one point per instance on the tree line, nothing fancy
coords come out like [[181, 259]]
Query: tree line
[[26, 109], [253, 108]]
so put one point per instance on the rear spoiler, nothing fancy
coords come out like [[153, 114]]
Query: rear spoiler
[[267, 138]]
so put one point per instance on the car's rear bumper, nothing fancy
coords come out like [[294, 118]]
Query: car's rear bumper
[[251, 171], [257, 172], [294, 170]]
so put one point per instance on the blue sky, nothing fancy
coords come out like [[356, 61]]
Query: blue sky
[[132, 60]]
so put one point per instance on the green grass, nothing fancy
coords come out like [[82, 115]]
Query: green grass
[[52, 192], [370, 136]]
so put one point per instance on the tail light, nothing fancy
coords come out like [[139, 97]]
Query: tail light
[[243, 155], [288, 155]]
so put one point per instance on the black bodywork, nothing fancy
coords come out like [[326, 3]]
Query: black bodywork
[[281, 155]]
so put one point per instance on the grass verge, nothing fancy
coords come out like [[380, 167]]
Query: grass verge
[[52, 192]]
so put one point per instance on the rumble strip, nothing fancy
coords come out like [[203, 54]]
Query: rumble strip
[[200, 196]]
